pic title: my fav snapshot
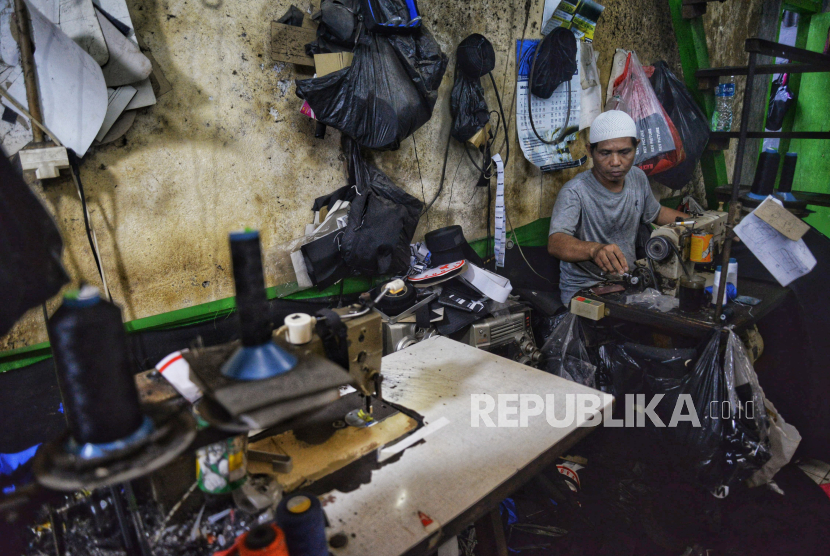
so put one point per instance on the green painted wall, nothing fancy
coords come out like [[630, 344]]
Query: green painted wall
[[812, 113]]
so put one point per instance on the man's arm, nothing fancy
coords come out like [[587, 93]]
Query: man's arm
[[567, 248], [667, 216]]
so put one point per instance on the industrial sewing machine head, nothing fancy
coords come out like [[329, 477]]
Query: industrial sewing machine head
[[270, 377], [674, 249]]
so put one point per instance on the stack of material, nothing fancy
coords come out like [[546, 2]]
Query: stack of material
[[91, 74]]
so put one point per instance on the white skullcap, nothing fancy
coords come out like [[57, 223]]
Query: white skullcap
[[613, 124]]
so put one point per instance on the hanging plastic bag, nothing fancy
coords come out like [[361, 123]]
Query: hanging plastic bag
[[387, 93], [660, 145], [688, 119], [382, 220], [468, 108], [566, 355], [30, 250], [780, 100], [747, 446], [732, 441], [702, 447]]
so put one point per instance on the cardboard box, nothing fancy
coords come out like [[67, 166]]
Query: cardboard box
[[325, 64]]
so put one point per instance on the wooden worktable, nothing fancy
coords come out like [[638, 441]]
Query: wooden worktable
[[697, 325], [459, 473]]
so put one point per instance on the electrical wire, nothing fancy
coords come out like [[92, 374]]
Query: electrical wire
[[420, 176], [443, 173], [90, 231], [522, 253], [561, 134]]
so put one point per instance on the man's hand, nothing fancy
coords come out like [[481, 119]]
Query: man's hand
[[610, 259]]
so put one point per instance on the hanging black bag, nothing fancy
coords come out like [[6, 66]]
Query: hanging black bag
[[382, 220]]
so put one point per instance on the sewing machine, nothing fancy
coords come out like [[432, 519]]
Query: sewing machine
[[674, 249]]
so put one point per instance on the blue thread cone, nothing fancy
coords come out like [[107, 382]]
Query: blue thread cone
[[258, 362]]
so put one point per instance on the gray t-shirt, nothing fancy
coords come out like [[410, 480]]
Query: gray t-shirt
[[586, 210]]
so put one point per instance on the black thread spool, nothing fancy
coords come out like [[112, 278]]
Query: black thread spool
[[251, 301], [91, 356], [788, 173], [765, 174]]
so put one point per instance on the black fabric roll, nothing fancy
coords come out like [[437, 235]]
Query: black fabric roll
[[251, 301], [765, 173], [476, 56], [788, 173], [91, 356]]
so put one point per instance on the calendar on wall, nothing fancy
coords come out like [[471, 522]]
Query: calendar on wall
[[549, 116]]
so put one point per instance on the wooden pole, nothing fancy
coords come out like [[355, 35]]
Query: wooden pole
[[27, 61]]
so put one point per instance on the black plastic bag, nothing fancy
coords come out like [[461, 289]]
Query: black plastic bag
[[780, 100], [554, 62], [468, 108], [688, 119], [566, 355], [702, 447], [30, 250], [382, 220], [731, 442], [293, 17], [337, 29], [387, 93]]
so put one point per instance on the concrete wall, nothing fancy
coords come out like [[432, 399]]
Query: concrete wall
[[228, 148]]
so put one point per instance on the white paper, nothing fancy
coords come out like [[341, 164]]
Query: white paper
[[73, 96], [117, 100], [126, 65], [547, 12], [549, 115], [77, 19], [501, 233], [591, 104], [144, 95], [488, 283], [118, 10], [784, 258]]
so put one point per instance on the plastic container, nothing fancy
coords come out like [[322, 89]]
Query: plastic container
[[724, 102], [732, 273], [731, 278]]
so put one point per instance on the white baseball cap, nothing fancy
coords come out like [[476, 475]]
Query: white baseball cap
[[612, 124]]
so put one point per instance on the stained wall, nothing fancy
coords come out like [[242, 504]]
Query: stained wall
[[228, 148]]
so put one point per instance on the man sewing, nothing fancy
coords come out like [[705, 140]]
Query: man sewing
[[595, 220]]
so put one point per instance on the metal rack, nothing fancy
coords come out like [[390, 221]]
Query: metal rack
[[806, 61]]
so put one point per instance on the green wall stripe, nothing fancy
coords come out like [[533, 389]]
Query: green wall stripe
[[529, 235]]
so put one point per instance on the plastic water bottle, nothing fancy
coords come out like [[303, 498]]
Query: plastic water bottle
[[724, 100]]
